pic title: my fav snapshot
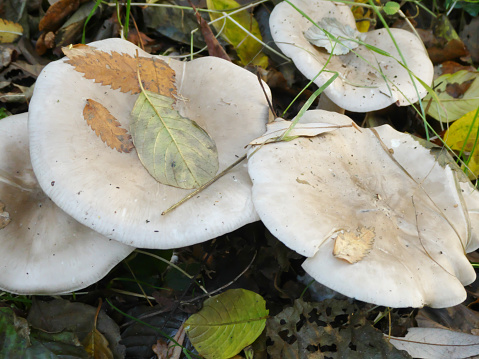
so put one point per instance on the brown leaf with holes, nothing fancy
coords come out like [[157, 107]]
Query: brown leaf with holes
[[107, 127], [120, 70], [352, 247], [57, 14]]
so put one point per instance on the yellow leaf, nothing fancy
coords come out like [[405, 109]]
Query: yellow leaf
[[463, 135], [9, 31], [247, 48], [352, 247], [107, 127], [363, 15]]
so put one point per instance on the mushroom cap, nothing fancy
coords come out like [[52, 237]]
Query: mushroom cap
[[112, 192], [309, 191], [43, 250], [360, 87]]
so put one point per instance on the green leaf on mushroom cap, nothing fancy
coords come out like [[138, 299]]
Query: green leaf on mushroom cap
[[175, 150]]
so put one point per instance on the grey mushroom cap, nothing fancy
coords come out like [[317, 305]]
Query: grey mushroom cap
[[42, 249], [311, 191], [112, 192], [360, 87]]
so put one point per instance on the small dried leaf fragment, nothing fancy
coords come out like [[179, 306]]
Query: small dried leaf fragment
[[120, 70], [107, 127], [4, 216], [352, 247], [9, 31]]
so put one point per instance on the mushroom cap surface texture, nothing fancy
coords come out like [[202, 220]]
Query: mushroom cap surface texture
[[310, 192], [112, 192], [43, 250], [360, 87]]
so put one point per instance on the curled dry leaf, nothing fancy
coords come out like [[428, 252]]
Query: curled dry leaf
[[4, 216], [107, 127], [120, 70], [57, 14], [352, 247]]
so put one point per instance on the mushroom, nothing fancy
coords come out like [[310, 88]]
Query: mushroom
[[367, 80], [377, 216], [42, 249], [112, 192]]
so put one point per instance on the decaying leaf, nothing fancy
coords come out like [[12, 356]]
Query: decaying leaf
[[120, 70], [352, 247], [9, 31], [96, 345], [107, 127], [175, 150], [57, 13], [4, 216]]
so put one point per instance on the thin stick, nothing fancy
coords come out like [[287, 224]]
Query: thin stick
[[266, 95], [207, 184]]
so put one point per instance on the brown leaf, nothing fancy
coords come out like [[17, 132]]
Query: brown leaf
[[214, 47], [457, 90], [119, 70], [352, 247], [107, 127], [453, 49], [57, 14], [4, 216]]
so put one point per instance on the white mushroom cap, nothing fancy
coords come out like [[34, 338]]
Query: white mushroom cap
[[112, 192], [308, 190], [471, 198], [359, 87], [43, 250]]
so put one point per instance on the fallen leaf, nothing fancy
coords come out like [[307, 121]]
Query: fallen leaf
[[352, 247], [249, 50], [231, 321], [9, 31], [465, 85], [175, 150], [97, 346], [214, 47], [4, 216], [436, 343], [57, 13], [107, 127], [120, 70]]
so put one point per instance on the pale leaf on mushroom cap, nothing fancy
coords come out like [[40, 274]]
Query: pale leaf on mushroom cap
[[43, 250], [112, 192], [359, 87], [308, 190]]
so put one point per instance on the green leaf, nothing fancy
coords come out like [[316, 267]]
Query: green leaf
[[463, 136], [175, 150], [227, 323], [455, 102], [391, 8], [247, 48]]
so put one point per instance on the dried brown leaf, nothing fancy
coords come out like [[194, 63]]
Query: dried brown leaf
[[4, 216], [107, 127], [120, 70], [352, 247], [57, 14]]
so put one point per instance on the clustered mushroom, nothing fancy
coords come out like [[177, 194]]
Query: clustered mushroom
[[367, 80], [42, 249]]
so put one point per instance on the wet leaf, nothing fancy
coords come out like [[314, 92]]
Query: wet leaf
[[175, 150], [464, 87], [227, 323], [352, 247], [9, 31], [120, 70], [107, 127], [247, 48], [97, 346]]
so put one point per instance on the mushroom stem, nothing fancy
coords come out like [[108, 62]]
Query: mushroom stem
[[326, 104]]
